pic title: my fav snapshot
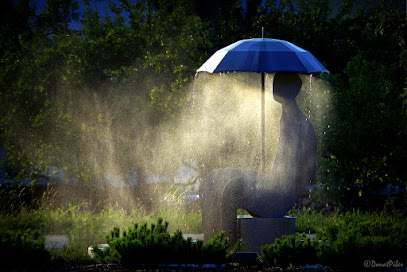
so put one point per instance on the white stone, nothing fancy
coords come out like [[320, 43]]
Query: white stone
[[100, 246]]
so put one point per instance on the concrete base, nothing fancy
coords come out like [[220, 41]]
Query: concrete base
[[256, 232], [246, 258]]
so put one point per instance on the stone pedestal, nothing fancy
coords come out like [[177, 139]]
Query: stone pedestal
[[256, 232]]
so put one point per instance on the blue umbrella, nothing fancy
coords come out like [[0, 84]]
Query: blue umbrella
[[262, 55]]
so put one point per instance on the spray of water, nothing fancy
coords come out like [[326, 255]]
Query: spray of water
[[114, 137], [315, 101]]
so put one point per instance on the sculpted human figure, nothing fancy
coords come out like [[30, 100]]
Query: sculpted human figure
[[224, 191]]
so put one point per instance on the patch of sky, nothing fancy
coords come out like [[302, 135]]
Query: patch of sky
[[101, 6]]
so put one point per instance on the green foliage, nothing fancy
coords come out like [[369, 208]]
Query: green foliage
[[365, 150], [155, 245], [15, 198], [356, 239], [83, 222], [23, 250], [344, 240], [370, 114], [308, 221], [289, 250], [189, 221]]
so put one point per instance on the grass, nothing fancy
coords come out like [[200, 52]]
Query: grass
[[86, 225], [311, 221]]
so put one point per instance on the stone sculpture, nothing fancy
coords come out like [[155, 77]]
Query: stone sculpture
[[224, 191]]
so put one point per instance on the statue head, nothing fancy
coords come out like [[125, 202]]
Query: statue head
[[286, 86]]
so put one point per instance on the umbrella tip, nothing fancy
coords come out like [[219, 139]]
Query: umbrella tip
[[262, 32]]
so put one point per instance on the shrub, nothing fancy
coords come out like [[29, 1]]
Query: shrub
[[23, 250], [289, 250], [354, 237], [308, 221], [344, 240], [155, 245]]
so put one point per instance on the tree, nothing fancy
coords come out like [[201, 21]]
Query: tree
[[369, 101], [134, 64]]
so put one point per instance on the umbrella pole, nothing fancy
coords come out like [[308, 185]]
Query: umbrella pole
[[263, 117]]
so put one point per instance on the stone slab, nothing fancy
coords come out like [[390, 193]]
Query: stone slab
[[256, 232]]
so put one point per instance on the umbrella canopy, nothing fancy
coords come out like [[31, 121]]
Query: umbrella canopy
[[262, 55]]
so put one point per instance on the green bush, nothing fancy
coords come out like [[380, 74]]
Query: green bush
[[289, 250], [308, 221], [343, 240], [23, 250], [354, 237], [155, 245]]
